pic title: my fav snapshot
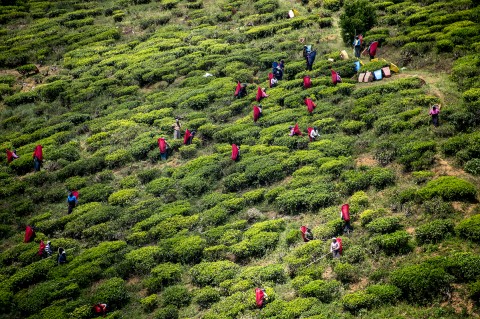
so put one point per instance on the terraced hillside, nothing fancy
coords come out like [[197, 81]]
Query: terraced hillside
[[96, 83]]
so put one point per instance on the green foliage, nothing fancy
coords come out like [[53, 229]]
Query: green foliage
[[434, 231], [149, 303], [167, 312], [384, 225], [449, 188], [421, 283], [123, 197], [176, 295], [143, 259], [112, 292], [213, 273], [325, 291], [394, 243], [359, 16], [355, 301], [469, 228], [206, 296]]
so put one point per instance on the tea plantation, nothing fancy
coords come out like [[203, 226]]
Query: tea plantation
[[97, 83]]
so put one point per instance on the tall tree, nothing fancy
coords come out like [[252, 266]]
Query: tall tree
[[358, 16]]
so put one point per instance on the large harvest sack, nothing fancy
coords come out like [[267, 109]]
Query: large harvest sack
[[386, 72], [361, 77], [378, 75]]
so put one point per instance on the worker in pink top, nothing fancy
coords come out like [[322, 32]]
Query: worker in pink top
[[434, 111]]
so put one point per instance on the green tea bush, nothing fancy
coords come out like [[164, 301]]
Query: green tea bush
[[449, 188], [112, 292], [346, 272], [417, 155], [256, 245], [469, 228], [324, 290], [206, 296], [384, 293], [421, 283], [163, 275], [176, 295], [384, 225], [472, 166], [356, 301], [95, 193], [463, 266], [118, 158], [261, 274], [123, 197], [143, 259], [149, 303], [434, 231], [358, 15], [213, 273], [167, 312], [391, 244]]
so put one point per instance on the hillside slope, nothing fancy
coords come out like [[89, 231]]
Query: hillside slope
[[96, 83]]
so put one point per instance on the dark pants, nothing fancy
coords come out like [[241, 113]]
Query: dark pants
[[347, 227], [163, 156], [435, 120], [71, 206], [372, 57], [357, 51], [36, 164]]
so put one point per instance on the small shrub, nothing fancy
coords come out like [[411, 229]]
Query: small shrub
[[346, 273], [384, 293], [123, 197], [472, 166], [469, 228], [384, 225], [143, 259], [421, 283], [434, 231], [176, 295], [213, 273], [394, 243], [324, 290], [356, 301], [112, 292], [206, 296], [449, 188], [167, 312], [162, 276], [149, 303], [188, 151]]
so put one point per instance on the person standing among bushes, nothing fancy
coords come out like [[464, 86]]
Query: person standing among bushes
[[357, 45], [335, 248], [100, 309], [235, 152], [372, 49], [260, 297], [307, 234], [71, 201], [257, 112], [434, 111], [48, 249], [62, 256], [163, 146], [273, 81], [240, 90], [295, 130], [176, 129], [37, 157], [312, 133], [11, 156], [188, 138], [345, 216]]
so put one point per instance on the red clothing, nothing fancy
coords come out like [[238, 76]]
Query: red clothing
[[309, 130], [270, 77], [335, 77], [296, 131], [310, 105], [29, 233], [259, 297], [307, 82], [234, 152], [186, 137], [260, 94], [41, 248], [76, 194], [9, 156], [346, 212], [373, 48], [256, 113], [340, 246], [38, 152], [162, 145], [238, 88], [303, 229]]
